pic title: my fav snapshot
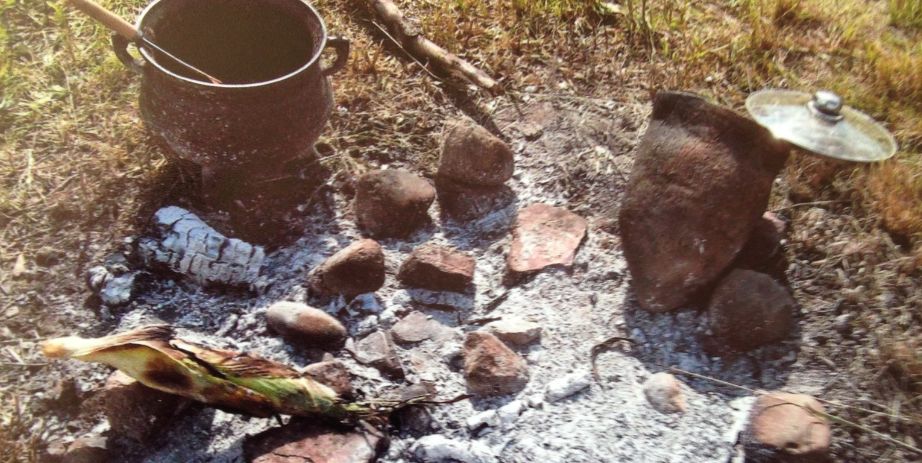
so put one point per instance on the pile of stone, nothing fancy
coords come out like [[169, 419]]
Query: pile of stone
[[693, 229], [693, 226]]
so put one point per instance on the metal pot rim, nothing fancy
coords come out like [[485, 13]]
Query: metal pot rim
[[314, 58]]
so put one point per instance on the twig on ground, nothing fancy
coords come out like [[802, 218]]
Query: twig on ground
[[409, 38], [602, 347]]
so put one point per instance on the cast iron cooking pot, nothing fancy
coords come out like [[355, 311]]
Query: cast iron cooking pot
[[274, 97]]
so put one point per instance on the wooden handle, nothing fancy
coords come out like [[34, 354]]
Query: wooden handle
[[107, 18]]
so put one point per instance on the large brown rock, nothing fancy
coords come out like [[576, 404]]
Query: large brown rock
[[490, 367], [135, 410], [438, 268], [303, 442], [472, 155], [356, 269], [786, 428], [392, 203], [749, 309], [700, 182], [544, 236], [306, 325]]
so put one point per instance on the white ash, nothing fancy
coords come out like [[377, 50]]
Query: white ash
[[610, 421], [119, 290], [568, 385], [438, 449], [189, 246]]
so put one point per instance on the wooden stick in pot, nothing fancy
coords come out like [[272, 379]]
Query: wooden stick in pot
[[121, 27]]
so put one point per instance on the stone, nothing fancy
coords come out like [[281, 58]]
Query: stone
[[664, 392], [90, 448], [305, 325], [780, 224], [377, 349], [417, 327], [135, 410], [439, 268], [699, 185], [763, 251], [436, 448], [782, 428], [490, 367], [544, 236], [392, 203], [303, 441], [459, 201], [567, 385], [355, 269], [332, 373], [515, 331], [474, 156], [749, 309], [185, 244]]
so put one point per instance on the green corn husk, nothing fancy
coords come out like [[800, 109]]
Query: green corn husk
[[225, 379]]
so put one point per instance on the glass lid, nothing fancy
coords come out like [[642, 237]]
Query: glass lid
[[821, 124]]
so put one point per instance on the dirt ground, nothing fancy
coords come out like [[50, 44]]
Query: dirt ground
[[80, 176]]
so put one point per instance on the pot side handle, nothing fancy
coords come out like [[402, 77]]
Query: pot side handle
[[120, 45], [341, 45]]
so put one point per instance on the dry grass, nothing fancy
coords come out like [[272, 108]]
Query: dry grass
[[18, 439], [77, 171]]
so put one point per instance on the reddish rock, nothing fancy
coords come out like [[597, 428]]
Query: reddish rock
[[305, 325], [135, 410], [473, 156], [700, 183], [392, 203], [303, 442], [334, 374], [543, 236], [438, 268], [749, 309], [664, 392], [356, 269], [377, 349], [490, 367], [417, 327], [782, 428]]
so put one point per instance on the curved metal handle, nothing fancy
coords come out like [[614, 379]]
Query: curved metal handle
[[120, 45], [341, 45]]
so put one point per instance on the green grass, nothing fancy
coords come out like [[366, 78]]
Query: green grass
[[76, 164], [906, 13]]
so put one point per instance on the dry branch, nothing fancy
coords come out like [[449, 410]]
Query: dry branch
[[408, 36]]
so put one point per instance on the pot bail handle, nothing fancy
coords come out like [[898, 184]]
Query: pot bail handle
[[120, 45], [341, 45]]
